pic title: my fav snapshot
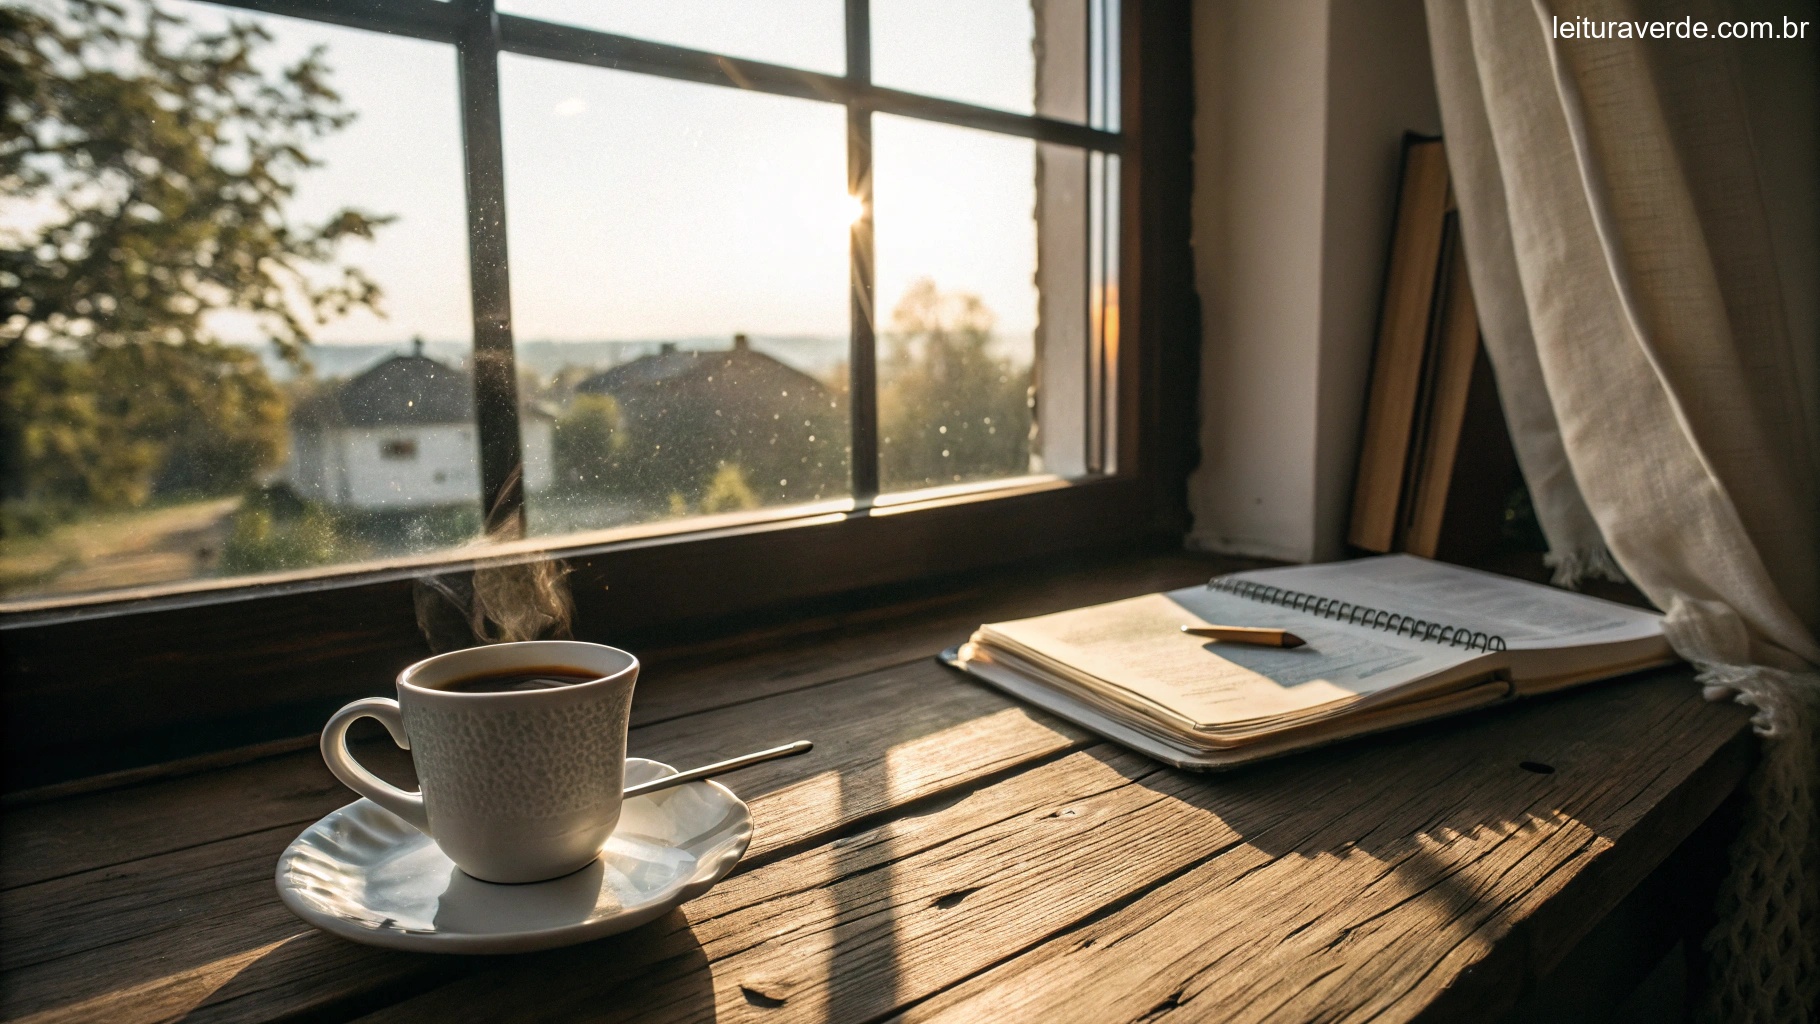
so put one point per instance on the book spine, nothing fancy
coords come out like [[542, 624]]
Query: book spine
[[1359, 615]]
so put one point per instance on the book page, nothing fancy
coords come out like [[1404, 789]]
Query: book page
[[1527, 615], [1137, 646]]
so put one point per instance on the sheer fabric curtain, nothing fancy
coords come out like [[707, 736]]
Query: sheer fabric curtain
[[1652, 330]]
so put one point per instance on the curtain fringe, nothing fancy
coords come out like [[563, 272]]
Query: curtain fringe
[[1765, 948], [1591, 562]]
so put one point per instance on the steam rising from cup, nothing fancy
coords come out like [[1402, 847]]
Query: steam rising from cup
[[502, 601]]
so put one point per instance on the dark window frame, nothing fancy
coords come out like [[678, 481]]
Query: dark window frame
[[125, 680]]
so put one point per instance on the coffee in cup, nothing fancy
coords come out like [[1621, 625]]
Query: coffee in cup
[[520, 750]]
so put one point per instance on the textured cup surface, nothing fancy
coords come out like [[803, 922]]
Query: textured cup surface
[[520, 786]]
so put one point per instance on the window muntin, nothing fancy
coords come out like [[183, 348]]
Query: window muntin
[[795, 33], [1060, 80], [975, 51]]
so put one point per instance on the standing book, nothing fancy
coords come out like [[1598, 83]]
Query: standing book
[[1393, 406], [1390, 641]]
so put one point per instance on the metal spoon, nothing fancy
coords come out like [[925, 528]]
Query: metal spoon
[[720, 767]]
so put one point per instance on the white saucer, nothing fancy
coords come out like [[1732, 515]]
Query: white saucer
[[364, 874]]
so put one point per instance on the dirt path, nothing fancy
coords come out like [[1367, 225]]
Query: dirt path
[[161, 545]]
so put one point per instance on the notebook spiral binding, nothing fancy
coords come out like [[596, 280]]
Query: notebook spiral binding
[[1359, 615]]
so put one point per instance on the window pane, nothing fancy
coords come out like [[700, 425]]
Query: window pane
[[978, 51], [679, 291], [798, 33], [1102, 342], [957, 302], [1056, 58], [1102, 62], [153, 433]]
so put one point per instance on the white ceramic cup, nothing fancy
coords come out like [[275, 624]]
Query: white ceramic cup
[[518, 786]]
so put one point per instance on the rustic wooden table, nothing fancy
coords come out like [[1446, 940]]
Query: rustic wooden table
[[944, 854]]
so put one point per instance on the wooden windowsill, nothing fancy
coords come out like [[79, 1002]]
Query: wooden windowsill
[[944, 853]]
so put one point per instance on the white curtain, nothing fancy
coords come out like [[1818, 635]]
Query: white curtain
[[1645, 299]]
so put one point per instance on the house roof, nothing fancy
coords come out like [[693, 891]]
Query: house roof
[[412, 390], [675, 367]]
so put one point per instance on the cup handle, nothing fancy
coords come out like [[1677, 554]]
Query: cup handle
[[408, 806]]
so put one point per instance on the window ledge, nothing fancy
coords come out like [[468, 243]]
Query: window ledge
[[190, 593]]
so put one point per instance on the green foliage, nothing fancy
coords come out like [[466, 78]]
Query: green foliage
[[271, 533], [725, 491], [274, 529], [589, 437], [159, 160], [948, 408], [124, 422], [396, 531], [110, 429], [728, 491], [68, 442], [169, 157]]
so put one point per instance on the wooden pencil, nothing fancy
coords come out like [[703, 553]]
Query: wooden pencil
[[1254, 635]]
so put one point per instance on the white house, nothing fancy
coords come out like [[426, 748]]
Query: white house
[[400, 436]]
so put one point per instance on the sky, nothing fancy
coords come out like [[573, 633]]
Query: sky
[[640, 207]]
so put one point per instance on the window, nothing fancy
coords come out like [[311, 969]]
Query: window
[[118, 652], [400, 449], [712, 268]]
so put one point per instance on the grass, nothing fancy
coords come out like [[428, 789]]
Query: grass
[[161, 544]]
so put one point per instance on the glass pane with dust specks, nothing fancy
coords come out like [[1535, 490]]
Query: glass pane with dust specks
[[153, 432], [679, 294]]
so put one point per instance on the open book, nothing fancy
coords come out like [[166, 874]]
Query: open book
[[1389, 641]]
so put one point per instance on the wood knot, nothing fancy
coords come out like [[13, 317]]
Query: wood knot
[[1171, 1002], [766, 995], [953, 899]]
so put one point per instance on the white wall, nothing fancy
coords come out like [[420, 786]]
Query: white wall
[[343, 466], [1301, 106], [306, 467], [445, 471], [535, 436]]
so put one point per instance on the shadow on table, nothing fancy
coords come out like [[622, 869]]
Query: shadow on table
[[862, 964], [1454, 823], [577, 983]]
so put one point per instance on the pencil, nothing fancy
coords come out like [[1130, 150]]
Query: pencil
[[1254, 635]]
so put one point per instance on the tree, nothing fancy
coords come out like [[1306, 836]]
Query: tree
[[590, 436], [948, 408], [728, 491], [160, 160]]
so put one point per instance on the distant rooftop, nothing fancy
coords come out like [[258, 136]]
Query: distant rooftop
[[403, 390], [672, 366]]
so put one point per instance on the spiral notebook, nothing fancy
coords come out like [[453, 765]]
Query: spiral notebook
[[1390, 641]]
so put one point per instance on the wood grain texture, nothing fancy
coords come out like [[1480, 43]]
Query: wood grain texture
[[1347, 883], [132, 685], [942, 854], [89, 831], [108, 693], [1427, 901], [111, 928]]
